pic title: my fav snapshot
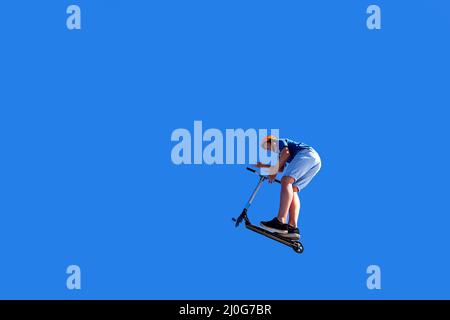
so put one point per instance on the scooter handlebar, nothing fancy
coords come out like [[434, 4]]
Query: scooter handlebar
[[251, 169], [255, 171]]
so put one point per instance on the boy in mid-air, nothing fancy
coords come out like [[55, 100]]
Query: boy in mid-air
[[303, 164]]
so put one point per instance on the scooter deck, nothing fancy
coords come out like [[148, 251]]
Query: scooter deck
[[294, 244]]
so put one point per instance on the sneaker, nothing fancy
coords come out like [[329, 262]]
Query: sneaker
[[292, 234], [275, 226]]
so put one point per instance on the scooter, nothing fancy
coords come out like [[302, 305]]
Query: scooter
[[296, 245]]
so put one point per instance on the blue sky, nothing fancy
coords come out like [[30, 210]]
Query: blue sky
[[86, 118]]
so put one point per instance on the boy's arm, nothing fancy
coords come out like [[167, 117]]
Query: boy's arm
[[284, 156], [279, 167]]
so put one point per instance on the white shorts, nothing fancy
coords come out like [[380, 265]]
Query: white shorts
[[303, 168]]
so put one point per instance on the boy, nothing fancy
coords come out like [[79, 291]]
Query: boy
[[303, 164]]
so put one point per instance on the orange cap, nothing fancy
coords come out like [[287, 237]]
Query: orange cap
[[268, 139]]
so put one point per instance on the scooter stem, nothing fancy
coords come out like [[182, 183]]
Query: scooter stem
[[258, 186]]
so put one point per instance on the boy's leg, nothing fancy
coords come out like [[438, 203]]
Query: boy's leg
[[294, 209], [286, 196], [293, 178]]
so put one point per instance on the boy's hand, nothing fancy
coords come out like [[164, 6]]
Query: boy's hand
[[261, 165], [272, 177]]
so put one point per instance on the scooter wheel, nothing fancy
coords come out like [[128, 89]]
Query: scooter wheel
[[298, 247]]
